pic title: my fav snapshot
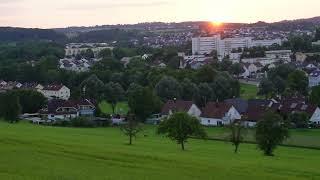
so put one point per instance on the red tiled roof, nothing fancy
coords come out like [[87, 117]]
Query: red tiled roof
[[176, 106], [215, 110]]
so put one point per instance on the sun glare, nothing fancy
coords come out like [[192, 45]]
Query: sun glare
[[217, 23]]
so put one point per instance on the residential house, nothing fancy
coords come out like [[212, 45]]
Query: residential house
[[58, 109], [125, 61], [180, 106], [253, 115], [300, 57], [32, 86], [241, 105], [280, 55], [298, 104], [251, 69], [55, 92], [3, 83], [218, 114], [314, 78]]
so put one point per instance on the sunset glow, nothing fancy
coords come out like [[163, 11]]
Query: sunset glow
[[217, 23], [60, 13]]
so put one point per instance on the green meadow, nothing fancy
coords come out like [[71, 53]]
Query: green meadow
[[41, 152], [121, 108], [248, 91]]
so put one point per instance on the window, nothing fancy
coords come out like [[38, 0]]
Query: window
[[208, 121]]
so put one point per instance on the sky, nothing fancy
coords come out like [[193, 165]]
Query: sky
[[64, 13]]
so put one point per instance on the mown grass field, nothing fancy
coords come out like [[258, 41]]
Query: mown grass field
[[248, 91], [121, 108], [298, 137], [38, 152]]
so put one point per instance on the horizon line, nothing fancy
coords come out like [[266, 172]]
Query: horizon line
[[123, 24]]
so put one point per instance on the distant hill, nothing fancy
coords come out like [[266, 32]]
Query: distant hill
[[301, 24], [11, 34]]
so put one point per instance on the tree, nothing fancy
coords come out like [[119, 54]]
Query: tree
[[206, 74], [113, 94], [298, 82], [225, 87], [30, 101], [174, 62], [131, 128], [87, 54], [168, 88], [205, 94], [190, 90], [266, 88], [105, 53], [92, 88], [9, 107], [180, 126], [271, 131], [237, 134], [142, 101], [236, 69], [279, 85], [214, 54], [315, 95], [300, 119]]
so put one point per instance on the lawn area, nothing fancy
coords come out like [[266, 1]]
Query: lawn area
[[248, 91], [121, 108], [39, 152], [298, 137]]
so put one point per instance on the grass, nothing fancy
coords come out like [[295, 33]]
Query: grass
[[298, 137], [248, 91], [121, 108], [39, 152]]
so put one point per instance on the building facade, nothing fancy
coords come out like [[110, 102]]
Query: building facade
[[224, 47]]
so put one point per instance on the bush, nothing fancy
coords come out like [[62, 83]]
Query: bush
[[81, 122]]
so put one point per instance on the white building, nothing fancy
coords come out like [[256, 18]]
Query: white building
[[205, 45], [55, 92], [317, 43], [180, 106], [74, 49], [315, 118], [217, 114], [314, 78], [283, 55]]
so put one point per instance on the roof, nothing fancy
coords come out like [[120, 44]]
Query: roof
[[241, 105], [53, 87], [215, 110], [178, 105], [55, 104], [294, 104], [254, 114], [315, 73], [258, 103]]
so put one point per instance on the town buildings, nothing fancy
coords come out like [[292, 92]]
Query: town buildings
[[74, 49], [224, 47], [58, 109], [55, 92], [314, 78]]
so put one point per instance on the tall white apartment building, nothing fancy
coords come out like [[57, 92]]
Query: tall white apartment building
[[205, 45]]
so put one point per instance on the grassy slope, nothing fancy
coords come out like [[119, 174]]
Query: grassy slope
[[121, 108], [31, 152], [248, 91], [298, 137]]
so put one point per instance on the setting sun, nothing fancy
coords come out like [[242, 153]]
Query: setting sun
[[217, 23]]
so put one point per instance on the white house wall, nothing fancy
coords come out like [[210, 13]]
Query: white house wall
[[316, 116]]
